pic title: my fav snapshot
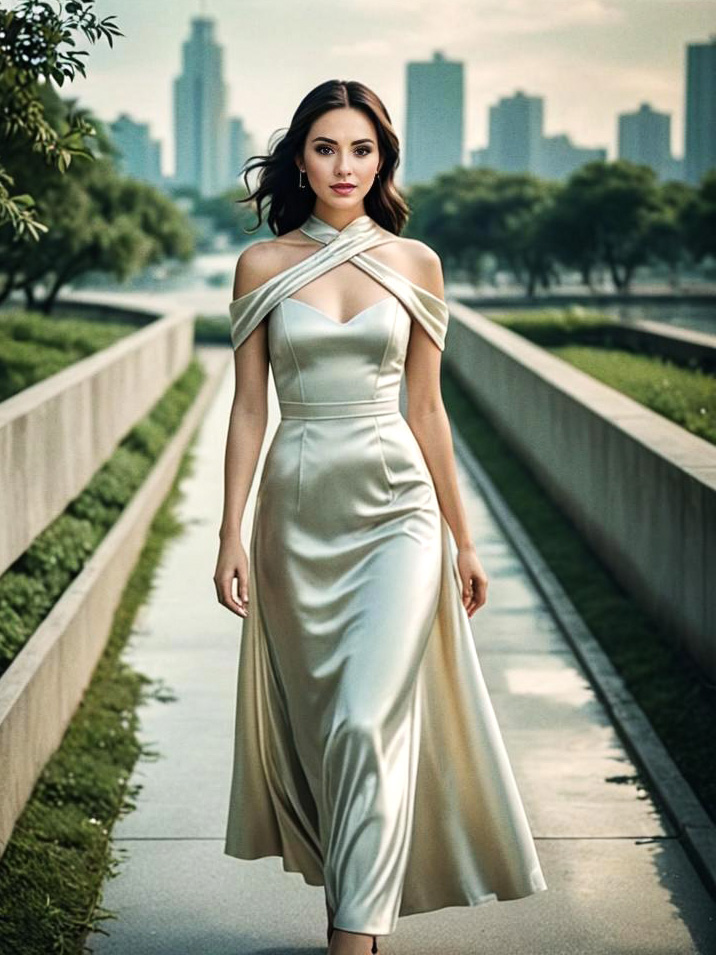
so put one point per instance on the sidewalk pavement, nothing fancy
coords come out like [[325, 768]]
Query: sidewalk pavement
[[619, 880]]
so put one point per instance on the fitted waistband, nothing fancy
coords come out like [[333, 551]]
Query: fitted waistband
[[339, 409]]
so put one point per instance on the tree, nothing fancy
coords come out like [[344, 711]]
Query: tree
[[667, 239], [35, 49], [522, 205], [454, 213], [98, 219], [606, 214], [699, 219]]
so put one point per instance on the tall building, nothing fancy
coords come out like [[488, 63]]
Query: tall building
[[515, 133], [240, 148], [559, 157], [434, 118], [700, 126], [140, 154], [645, 137], [200, 126], [517, 144]]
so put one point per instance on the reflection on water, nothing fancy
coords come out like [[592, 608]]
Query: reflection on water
[[565, 684]]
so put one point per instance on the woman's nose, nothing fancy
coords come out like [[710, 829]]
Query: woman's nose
[[343, 164]]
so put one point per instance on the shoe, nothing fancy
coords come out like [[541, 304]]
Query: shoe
[[375, 944]]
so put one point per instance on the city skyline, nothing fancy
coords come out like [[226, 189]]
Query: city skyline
[[631, 52]]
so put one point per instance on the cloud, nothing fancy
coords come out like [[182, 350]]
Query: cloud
[[461, 20]]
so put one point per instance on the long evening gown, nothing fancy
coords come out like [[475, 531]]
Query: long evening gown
[[367, 752]]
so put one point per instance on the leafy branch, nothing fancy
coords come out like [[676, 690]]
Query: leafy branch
[[37, 46]]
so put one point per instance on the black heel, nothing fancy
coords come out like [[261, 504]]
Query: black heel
[[375, 944]]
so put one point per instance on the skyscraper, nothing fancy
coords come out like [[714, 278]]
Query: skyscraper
[[200, 126], [140, 154], [517, 145], [239, 149], [645, 137], [434, 118], [700, 127], [515, 131]]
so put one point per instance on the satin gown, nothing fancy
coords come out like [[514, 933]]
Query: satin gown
[[367, 752]]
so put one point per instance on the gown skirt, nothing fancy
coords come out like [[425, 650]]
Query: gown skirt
[[367, 753]]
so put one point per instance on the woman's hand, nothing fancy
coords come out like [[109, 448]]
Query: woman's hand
[[232, 563], [473, 577]]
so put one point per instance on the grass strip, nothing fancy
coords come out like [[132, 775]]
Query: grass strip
[[683, 395], [588, 341]]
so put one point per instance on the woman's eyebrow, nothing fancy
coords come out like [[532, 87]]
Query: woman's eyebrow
[[335, 141]]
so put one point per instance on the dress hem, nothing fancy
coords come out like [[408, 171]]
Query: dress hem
[[464, 902]]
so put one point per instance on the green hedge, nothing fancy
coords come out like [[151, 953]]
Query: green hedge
[[212, 331], [34, 582], [33, 346], [550, 327]]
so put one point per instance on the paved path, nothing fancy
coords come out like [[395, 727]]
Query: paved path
[[619, 881]]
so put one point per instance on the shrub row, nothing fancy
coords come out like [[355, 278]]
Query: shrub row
[[31, 586], [33, 346]]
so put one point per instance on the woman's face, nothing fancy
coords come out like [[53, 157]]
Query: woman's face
[[341, 147]]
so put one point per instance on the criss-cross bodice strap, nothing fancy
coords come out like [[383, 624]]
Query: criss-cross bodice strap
[[339, 246]]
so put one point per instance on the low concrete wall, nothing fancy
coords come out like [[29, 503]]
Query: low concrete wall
[[639, 488], [683, 345], [57, 433], [41, 689]]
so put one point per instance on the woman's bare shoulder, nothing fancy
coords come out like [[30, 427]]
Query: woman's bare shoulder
[[414, 259], [262, 260]]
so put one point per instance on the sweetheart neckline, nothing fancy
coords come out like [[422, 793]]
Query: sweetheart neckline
[[333, 321]]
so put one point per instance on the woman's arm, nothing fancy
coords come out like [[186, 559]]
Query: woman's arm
[[429, 423], [247, 427]]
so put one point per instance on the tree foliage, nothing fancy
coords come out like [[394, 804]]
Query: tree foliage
[[37, 48], [613, 216]]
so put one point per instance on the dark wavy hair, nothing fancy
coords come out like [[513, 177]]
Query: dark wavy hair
[[289, 206]]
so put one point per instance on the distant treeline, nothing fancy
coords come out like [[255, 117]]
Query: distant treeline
[[608, 216]]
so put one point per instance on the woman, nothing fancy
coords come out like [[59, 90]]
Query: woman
[[367, 752]]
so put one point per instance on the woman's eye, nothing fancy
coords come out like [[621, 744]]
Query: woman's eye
[[365, 150]]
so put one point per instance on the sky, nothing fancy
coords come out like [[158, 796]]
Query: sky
[[589, 59]]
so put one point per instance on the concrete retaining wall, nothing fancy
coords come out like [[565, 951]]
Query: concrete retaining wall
[[57, 433], [639, 488]]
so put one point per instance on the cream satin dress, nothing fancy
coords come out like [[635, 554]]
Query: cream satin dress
[[367, 752]]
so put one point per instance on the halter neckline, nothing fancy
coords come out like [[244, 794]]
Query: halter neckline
[[317, 228], [339, 245]]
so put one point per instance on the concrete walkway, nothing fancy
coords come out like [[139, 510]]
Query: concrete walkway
[[619, 881]]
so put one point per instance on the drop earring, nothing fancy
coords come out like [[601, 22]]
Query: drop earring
[[301, 184]]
